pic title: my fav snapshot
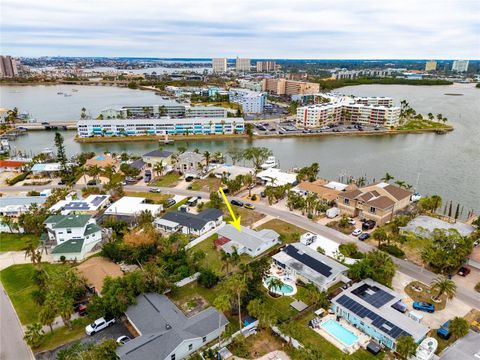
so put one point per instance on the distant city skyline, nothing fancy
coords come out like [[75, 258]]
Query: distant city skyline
[[279, 29]]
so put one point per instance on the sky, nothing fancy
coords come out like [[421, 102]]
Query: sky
[[313, 29]]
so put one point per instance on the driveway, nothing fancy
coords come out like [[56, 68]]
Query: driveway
[[18, 257], [113, 332]]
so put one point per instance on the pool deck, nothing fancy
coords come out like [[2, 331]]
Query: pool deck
[[363, 339]]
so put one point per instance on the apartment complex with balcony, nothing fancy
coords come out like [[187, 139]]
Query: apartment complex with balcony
[[219, 65], [266, 66], [159, 126], [289, 87], [375, 111], [252, 102], [8, 67], [378, 202], [242, 64], [171, 109]]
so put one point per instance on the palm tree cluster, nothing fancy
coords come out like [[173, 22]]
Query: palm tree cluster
[[309, 204]]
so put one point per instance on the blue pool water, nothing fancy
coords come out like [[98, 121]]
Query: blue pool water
[[284, 289], [339, 332]]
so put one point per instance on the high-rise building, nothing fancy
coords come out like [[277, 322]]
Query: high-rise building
[[242, 64], [219, 65], [252, 102], [8, 67], [289, 87], [266, 66], [431, 65], [460, 65]]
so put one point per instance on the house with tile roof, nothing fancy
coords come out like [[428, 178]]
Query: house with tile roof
[[72, 236], [378, 202], [165, 332]]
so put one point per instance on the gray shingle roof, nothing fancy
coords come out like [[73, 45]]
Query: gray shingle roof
[[163, 327], [158, 153], [247, 237], [193, 221]]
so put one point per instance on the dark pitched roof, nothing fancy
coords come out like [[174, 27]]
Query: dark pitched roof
[[382, 202], [352, 194], [193, 221], [397, 192], [164, 327], [138, 164], [158, 153], [309, 261]]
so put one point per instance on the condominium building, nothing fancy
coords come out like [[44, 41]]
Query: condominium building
[[266, 66], [8, 67], [159, 126], [376, 111], [460, 65], [219, 65], [169, 109], [242, 64], [353, 74], [252, 102], [289, 87], [250, 84], [431, 65]]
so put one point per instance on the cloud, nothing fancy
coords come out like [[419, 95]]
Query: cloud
[[441, 29]]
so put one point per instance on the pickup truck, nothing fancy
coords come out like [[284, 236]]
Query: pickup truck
[[99, 325]]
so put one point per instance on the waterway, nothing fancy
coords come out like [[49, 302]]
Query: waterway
[[448, 165]]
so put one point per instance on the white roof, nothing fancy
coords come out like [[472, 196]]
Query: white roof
[[130, 205], [336, 185], [232, 171], [247, 237], [90, 203], [277, 177]]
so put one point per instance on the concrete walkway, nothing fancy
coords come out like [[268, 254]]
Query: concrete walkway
[[18, 257], [262, 221]]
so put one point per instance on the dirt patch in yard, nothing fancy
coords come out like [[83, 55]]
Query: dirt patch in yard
[[263, 342], [192, 305], [208, 184], [346, 230]]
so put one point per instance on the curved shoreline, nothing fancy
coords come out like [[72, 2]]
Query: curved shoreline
[[255, 137]]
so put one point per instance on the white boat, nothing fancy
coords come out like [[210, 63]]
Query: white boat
[[47, 151], [416, 196], [271, 162], [67, 94], [426, 349]]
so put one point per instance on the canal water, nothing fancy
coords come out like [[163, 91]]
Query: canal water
[[448, 165]]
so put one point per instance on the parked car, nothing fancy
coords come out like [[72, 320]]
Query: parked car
[[249, 206], [44, 123], [262, 194], [368, 225], [192, 201], [154, 190], [400, 306], [170, 202], [332, 212], [99, 325], [443, 331], [356, 232], [123, 340], [364, 236], [91, 182], [236, 203], [424, 306], [61, 182], [464, 271], [351, 221], [189, 178]]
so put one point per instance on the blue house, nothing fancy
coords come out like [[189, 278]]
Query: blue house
[[367, 305]]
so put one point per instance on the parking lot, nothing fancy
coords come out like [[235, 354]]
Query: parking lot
[[272, 111], [289, 127], [113, 332]]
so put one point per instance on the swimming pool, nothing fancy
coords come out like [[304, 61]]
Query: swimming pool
[[284, 289], [334, 328]]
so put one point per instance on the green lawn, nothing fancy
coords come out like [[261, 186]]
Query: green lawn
[[169, 180], [17, 242], [17, 280], [208, 184], [158, 198], [289, 233], [177, 205], [63, 335], [248, 217], [422, 124]]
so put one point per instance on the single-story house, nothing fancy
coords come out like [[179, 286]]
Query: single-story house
[[188, 223], [131, 206], [96, 269], [424, 225], [367, 305], [11, 165], [309, 266], [248, 241], [276, 177], [90, 205], [72, 236], [48, 168], [16, 205], [231, 171], [157, 156], [101, 161], [327, 192], [165, 332]]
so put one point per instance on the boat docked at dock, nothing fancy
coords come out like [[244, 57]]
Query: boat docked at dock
[[271, 162]]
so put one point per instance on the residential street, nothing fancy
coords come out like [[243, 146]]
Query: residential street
[[12, 346]]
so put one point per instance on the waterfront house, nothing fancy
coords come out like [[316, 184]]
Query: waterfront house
[[309, 266], [327, 192], [247, 241], [188, 223], [276, 177], [16, 205], [157, 156], [72, 236], [190, 163], [11, 165], [378, 202], [49, 169], [102, 161], [367, 305], [165, 333]]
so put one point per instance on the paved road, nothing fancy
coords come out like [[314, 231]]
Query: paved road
[[470, 297], [12, 346]]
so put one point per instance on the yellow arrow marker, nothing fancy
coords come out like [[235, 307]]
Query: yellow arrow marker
[[236, 221]]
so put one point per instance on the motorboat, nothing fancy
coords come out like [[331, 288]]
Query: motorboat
[[67, 94], [60, 93], [426, 349], [271, 162], [416, 196]]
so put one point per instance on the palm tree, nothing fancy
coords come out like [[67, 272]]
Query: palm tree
[[108, 172], [458, 327], [8, 221], [237, 285], [274, 283], [248, 181], [222, 303], [34, 334], [387, 177], [406, 347], [159, 168], [443, 285], [400, 183], [206, 155], [34, 254], [218, 156], [94, 171], [65, 309]]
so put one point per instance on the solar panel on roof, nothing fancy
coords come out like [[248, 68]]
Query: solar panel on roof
[[98, 200], [309, 261], [76, 206], [377, 321], [373, 295]]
